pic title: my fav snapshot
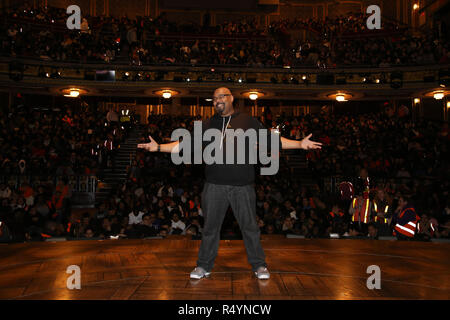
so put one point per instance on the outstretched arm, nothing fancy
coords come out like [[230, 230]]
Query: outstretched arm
[[152, 146], [302, 144]]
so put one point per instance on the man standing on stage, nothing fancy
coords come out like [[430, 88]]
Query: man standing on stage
[[230, 184]]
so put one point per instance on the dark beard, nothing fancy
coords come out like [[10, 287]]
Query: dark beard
[[220, 111]]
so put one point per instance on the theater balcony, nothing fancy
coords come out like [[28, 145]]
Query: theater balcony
[[282, 83]]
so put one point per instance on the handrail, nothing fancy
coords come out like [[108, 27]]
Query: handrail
[[333, 181], [218, 68], [371, 33], [79, 183]]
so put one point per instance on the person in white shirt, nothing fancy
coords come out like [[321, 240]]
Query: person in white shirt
[[177, 224], [135, 217]]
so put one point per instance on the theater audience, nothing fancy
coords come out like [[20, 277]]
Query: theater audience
[[42, 32], [53, 146], [311, 212], [401, 156]]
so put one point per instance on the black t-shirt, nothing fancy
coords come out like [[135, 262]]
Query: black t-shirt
[[233, 174]]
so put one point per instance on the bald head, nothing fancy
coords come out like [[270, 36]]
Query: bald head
[[223, 101], [222, 90]]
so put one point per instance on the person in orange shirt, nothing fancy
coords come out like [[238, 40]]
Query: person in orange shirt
[[63, 188], [28, 193], [56, 205]]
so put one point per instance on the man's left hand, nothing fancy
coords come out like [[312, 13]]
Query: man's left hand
[[308, 144]]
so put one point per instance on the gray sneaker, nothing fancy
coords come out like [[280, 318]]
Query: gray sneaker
[[262, 273], [199, 273]]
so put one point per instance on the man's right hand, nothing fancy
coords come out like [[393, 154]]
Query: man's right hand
[[152, 146]]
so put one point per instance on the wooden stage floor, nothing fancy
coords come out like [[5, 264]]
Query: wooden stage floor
[[159, 270]]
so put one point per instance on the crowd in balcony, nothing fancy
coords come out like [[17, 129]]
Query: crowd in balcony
[[147, 41], [333, 26]]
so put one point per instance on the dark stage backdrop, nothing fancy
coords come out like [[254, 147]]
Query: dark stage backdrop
[[208, 4]]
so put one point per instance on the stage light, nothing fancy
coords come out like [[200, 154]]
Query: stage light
[[126, 75], [448, 104], [377, 80], [240, 80], [253, 96], [340, 97], [304, 77], [438, 95], [166, 93], [416, 100], [138, 76], [188, 79], [415, 6], [47, 75], [294, 80], [208, 99], [73, 93]]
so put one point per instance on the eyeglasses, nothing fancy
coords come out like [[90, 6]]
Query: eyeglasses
[[220, 97]]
